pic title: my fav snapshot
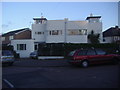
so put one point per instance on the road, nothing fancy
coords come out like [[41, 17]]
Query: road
[[28, 73]]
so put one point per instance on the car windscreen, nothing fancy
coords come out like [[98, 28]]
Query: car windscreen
[[72, 53], [33, 53], [6, 53]]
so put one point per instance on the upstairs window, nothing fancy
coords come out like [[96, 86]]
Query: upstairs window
[[11, 37], [55, 32], [39, 33], [77, 32], [3, 38]]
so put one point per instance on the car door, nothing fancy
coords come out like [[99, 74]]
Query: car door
[[92, 56], [81, 55], [102, 56]]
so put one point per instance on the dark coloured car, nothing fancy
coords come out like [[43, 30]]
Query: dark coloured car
[[34, 55], [7, 57], [85, 57]]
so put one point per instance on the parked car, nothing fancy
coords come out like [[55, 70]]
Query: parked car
[[7, 57], [34, 55], [85, 57]]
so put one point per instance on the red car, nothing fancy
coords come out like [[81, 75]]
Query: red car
[[85, 57]]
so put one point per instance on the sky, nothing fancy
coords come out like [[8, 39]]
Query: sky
[[18, 15]]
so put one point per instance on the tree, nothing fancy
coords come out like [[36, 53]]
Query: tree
[[93, 38]]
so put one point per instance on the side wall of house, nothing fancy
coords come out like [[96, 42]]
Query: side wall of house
[[29, 45]]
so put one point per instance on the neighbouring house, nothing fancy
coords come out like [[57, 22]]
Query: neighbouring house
[[16, 34], [21, 34], [57, 32], [112, 35]]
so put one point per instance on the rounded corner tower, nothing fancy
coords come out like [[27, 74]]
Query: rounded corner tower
[[95, 24], [38, 29]]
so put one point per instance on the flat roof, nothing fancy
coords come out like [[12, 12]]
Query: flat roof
[[39, 19], [93, 17]]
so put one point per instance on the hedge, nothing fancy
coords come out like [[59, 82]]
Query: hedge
[[108, 47], [64, 49]]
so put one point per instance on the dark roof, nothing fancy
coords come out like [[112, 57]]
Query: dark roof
[[113, 31], [93, 17], [39, 19], [13, 32]]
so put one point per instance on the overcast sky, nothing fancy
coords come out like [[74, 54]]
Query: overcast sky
[[18, 15]]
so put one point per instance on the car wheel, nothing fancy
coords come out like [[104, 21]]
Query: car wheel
[[84, 63], [115, 61]]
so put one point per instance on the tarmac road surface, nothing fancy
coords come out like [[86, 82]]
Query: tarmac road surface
[[29, 73]]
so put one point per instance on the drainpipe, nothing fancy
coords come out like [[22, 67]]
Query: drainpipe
[[65, 33]]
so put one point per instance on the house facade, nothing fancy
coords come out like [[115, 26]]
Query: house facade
[[24, 33], [58, 31], [15, 37], [65, 31], [112, 35]]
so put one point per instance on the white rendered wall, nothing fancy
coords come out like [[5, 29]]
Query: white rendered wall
[[55, 25], [29, 47], [77, 25], [108, 39], [96, 27], [38, 28], [77, 39]]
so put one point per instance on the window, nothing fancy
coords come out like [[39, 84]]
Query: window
[[55, 32], [82, 52], [3, 38], [39, 33], [83, 32], [91, 52], [10, 37], [21, 46], [77, 32], [100, 52], [50, 32], [72, 53], [73, 32]]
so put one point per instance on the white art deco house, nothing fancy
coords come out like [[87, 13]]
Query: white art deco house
[[59, 31], [65, 31]]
